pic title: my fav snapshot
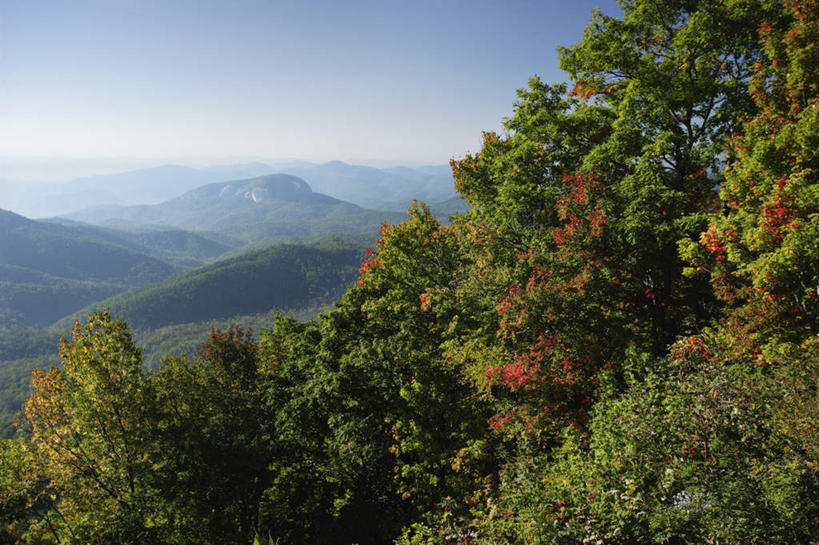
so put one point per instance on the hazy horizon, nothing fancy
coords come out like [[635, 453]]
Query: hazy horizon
[[56, 170]]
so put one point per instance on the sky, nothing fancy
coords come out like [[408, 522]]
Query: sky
[[403, 81]]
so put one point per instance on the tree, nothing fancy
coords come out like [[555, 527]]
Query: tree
[[92, 439], [763, 253], [212, 427], [716, 441], [368, 419], [578, 211], [25, 499]]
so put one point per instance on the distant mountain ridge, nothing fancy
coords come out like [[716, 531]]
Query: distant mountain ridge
[[282, 187], [158, 184], [371, 187], [54, 266], [368, 187], [143, 186], [271, 208]]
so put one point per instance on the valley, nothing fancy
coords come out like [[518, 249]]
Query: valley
[[219, 254]]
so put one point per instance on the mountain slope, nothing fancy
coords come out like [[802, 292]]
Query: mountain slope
[[172, 245], [284, 276], [33, 298], [68, 252], [143, 186], [48, 270], [175, 316]]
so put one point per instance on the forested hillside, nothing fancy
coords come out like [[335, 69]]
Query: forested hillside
[[49, 270], [286, 276], [175, 246], [175, 316], [68, 252], [616, 344]]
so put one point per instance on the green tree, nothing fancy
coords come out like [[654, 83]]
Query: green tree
[[25, 498], [93, 441], [368, 417], [211, 424], [762, 255], [578, 211]]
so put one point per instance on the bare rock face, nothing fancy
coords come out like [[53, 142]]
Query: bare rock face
[[273, 187]]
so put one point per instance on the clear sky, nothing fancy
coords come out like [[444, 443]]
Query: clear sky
[[409, 80]]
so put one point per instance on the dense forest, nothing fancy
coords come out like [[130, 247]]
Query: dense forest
[[174, 316], [616, 344]]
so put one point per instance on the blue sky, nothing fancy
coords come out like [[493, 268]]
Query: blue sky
[[412, 81]]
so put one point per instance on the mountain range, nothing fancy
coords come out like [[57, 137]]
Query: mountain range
[[48, 269], [367, 187], [73, 252], [373, 187]]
